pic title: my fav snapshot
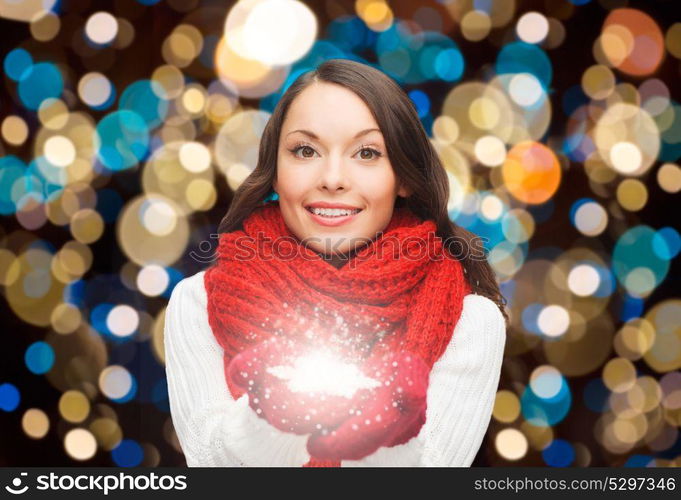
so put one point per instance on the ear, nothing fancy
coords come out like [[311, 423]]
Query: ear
[[404, 191]]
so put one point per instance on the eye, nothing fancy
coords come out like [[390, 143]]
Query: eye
[[366, 153], [373, 153], [304, 148]]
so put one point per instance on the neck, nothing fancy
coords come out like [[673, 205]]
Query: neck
[[339, 260]]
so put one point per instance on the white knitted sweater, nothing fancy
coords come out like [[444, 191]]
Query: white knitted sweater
[[215, 430]]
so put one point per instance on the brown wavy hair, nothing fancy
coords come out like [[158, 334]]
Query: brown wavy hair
[[412, 156]]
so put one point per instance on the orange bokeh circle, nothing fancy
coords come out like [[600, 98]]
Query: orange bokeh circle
[[531, 172], [632, 41]]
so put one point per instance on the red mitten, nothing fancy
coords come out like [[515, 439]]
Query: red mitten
[[254, 370], [385, 416]]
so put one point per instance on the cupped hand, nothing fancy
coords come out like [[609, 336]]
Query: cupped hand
[[387, 415], [258, 370]]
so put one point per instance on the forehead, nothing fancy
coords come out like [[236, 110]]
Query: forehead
[[328, 107]]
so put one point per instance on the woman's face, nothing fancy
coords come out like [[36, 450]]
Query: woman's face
[[331, 151]]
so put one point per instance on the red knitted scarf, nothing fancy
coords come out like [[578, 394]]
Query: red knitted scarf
[[400, 291]]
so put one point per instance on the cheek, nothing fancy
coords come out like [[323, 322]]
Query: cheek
[[379, 185], [291, 181]]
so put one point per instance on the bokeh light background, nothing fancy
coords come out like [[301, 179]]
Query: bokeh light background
[[125, 126]]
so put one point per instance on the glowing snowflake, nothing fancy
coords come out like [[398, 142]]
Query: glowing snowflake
[[322, 372]]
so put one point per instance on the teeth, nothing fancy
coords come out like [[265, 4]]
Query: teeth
[[332, 212]]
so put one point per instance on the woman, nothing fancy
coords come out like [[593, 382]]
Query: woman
[[355, 256]]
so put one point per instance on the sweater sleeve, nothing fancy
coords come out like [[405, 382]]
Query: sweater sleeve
[[461, 393], [213, 429]]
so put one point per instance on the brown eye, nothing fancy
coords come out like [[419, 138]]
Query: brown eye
[[369, 154], [302, 147]]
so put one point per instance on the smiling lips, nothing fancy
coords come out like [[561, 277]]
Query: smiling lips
[[332, 214]]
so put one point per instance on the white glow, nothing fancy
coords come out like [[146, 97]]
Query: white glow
[[525, 89], [122, 320], [591, 219], [491, 207], [490, 151], [195, 157], [152, 280], [511, 444], [115, 381], [583, 280], [59, 151], [546, 381], [273, 32], [553, 320], [532, 27], [94, 89], [101, 28], [322, 372], [626, 157], [80, 444], [158, 217]]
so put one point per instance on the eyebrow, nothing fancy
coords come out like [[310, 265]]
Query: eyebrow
[[314, 136]]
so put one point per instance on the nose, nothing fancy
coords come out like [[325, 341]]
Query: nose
[[334, 174]]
